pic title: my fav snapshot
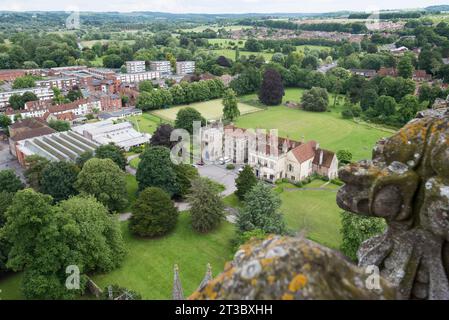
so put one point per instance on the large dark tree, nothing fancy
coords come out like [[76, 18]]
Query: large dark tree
[[315, 99], [58, 180], [245, 181], [103, 179], [154, 213], [272, 89], [9, 181], [113, 152], [261, 211], [206, 206], [161, 137], [157, 170], [186, 117]]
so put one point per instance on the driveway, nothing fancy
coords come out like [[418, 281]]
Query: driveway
[[220, 174], [7, 160]]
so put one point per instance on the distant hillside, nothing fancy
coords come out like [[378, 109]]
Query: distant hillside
[[443, 7]]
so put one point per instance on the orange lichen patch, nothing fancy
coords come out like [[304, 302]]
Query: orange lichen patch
[[287, 296], [271, 279], [209, 292], [317, 251], [254, 282], [297, 283], [194, 296]]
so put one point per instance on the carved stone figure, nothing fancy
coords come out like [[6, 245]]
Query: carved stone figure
[[407, 184]]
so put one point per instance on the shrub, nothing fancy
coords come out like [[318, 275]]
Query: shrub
[[230, 166], [154, 213]]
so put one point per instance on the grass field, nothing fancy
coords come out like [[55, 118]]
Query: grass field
[[131, 189], [313, 211], [329, 129], [230, 53], [148, 267], [211, 110], [145, 123], [308, 209]]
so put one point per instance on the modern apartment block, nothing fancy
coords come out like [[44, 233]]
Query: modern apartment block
[[185, 67], [61, 83], [42, 93], [138, 77], [135, 66], [164, 67]]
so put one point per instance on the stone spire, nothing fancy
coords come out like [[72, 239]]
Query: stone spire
[[206, 278], [178, 293]]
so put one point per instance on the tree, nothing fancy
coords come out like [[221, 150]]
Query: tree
[[9, 181], [154, 213], [161, 137], [83, 158], [230, 107], [310, 62], [35, 165], [186, 117], [368, 99], [113, 152], [185, 173], [24, 82], [261, 211], [206, 206], [29, 96], [46, 239], [355, 229], [272, 89], [315, 99], [103, 179], [5, 122], [58, 179], [245, 181], [74, 94], [16, 101], [344, 156], [156, 170], [5, 202], [385, 106], [145, 86], [59, 125], [113, 61], [408, 108], [405, 67]]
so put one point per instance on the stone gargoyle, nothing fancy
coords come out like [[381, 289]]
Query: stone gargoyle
[[407, 184]]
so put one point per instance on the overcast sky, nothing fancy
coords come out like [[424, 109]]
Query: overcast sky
[[214, 6]]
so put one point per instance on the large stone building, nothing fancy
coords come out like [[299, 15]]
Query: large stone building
[[270, 156]]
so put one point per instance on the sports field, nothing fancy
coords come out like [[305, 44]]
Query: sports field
[[211, 110]]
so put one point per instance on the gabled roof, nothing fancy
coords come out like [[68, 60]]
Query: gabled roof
[[305, 151], [32, 133], [327, 157]]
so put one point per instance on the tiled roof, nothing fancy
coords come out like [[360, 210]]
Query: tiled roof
[[32, 133], [305, 151], [326, 161]]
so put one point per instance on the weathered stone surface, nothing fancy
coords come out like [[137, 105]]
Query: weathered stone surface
[[407, 183], [291, 268]]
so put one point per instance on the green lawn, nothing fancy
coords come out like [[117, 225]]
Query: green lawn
[[313, 211], [211, 110], [134, 163], [145, 123], [148, 267], [131, 188], [10, 287], [329, 129]]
